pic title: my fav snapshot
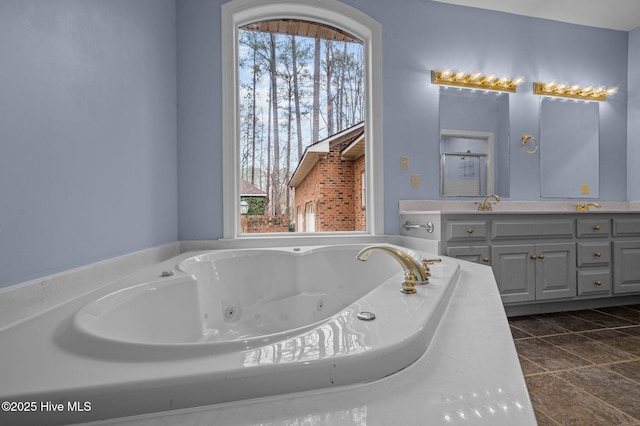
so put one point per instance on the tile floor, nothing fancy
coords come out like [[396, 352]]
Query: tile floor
[[583, 367]]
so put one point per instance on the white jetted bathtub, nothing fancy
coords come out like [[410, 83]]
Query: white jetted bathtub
[[229, 325]]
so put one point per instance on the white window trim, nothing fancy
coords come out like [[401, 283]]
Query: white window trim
[[331, 12]]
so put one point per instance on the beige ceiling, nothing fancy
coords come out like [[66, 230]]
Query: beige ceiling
[[623, 15]]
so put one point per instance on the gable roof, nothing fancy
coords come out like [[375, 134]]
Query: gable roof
[[249, 190], [319, 150]]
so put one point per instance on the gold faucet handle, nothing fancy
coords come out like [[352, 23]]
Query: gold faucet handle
[[427, 262], [580, 207], [409, 283]]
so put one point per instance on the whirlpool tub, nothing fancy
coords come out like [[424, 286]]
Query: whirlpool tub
[[228, 325]]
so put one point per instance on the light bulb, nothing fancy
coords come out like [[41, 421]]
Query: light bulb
[[475, 76], [460, 75], [612, 91], [587, 90]]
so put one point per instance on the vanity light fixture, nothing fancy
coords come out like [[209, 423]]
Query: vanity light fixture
[[588, 93], [476, 80]]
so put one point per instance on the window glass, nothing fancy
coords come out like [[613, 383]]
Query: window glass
[[302, 108]]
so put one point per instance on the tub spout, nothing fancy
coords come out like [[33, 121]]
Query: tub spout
[[415, 271]]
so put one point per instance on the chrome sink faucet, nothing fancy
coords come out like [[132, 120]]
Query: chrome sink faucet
[[485, 206], [415, 271]]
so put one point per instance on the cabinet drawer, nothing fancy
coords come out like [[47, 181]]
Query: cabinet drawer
[[594, 227], [551, 228], [477, 254], [466, 230], [594, 282], [591, 254], [626, 227]]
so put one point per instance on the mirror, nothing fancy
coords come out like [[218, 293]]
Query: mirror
[[569, 148], [474, 143]]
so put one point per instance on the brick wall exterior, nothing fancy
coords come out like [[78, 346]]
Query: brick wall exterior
[[258, 223], [359, 207], [334, 188]]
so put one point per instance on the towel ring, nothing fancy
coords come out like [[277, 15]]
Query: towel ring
[[525, 139]]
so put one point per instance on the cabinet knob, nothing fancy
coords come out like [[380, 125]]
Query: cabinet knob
[[598, 283], [598, 254], [596, 228], [541, 256], [470, 230], [534, 257], [485, 259]]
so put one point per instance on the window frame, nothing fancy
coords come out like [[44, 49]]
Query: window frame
[[237, 13]]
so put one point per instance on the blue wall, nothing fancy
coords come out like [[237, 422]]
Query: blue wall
[[96, 94], [418, 36], [88, 146], [633, 147]]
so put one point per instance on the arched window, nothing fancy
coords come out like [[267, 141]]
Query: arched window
[[357, 138]]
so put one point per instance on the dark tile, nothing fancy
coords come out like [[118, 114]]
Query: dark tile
[[617, 339], [530, 367], [635, 307], [601, 318], [632, 331], [622, 312], [630, 370], [587, 348], [548, 356], [617, 391], [536, 326], [542, 419], [569, 405], [570, 322], [516, 333]]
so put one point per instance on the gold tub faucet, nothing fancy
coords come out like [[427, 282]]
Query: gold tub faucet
[[585, 207], [485, 206], [416, 271]]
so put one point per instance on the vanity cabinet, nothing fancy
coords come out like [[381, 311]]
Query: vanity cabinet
[[468, 240], [534, 271], [549, 256], [626, 251], [594, 256]]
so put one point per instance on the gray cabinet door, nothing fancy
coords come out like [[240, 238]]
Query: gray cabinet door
[[626, 266], [477, 254], [555, 271], [514, 270]]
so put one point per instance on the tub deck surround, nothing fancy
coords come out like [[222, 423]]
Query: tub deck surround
[[47, 358], [470, 375], [33, 297]]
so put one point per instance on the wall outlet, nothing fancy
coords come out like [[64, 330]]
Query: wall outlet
[[404, 163], [585, 188], [415, 181]]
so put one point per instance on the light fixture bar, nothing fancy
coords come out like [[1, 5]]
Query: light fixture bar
[[476, 80], [588, 93]]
